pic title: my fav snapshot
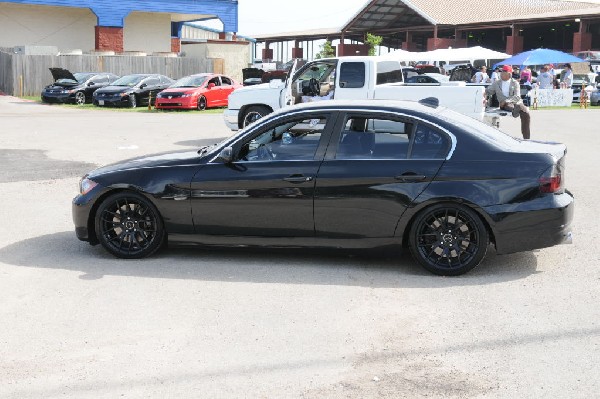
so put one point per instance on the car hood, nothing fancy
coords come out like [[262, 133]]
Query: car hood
[[115, 89], [165, 159], [61, 73], [62, 85]]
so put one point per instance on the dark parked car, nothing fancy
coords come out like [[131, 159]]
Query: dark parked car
[[76, 88], [132, 90], [342, 174]]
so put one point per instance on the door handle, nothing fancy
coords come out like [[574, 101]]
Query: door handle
[[297, 178], [410, 177]]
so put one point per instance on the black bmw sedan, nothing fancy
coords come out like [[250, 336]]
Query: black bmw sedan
[[76, 88], [132, 90], [340, 174]]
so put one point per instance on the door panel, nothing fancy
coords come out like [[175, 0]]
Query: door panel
[[268, 189], [374, 169]]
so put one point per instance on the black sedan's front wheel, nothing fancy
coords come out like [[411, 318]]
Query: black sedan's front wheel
[[448, 239], [129, 226], [80, 98]]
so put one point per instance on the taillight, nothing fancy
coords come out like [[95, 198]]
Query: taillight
[[551, 181]]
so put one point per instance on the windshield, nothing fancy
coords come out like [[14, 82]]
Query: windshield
[[130, 80], [190, 81]]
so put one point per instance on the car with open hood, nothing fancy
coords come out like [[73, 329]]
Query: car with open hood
[[76, 88], [351, 174], [132, 90], [199, 92]]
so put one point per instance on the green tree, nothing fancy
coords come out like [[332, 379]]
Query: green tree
[[326, 50], [373, 41]]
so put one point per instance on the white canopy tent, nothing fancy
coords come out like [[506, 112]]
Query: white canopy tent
[[449, 55]]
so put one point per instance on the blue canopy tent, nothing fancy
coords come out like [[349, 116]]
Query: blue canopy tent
[[540, 56]]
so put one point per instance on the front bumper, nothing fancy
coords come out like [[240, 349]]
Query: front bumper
[[541, 223], [112, 101], [176, 103], [82, 209], [231, 118], [59, 98]]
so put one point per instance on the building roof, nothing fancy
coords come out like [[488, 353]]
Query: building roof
[[382, 15]]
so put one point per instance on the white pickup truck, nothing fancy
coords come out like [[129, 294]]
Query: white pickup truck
[[350, 78]]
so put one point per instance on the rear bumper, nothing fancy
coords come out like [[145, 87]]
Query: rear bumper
[[231, 118], [541, 223]]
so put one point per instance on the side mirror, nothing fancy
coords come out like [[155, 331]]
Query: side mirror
[[226, 155], [91, 83], [143, 85], [210, 86]]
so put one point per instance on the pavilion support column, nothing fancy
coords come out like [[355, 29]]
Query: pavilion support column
[[267, 53], [109, 38], [297, 51], [582, 40], [459, 42], [514, 43], [408, 45]]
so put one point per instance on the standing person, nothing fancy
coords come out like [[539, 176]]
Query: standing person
[[567, 80], [495, 75], [508, 93], [526, 75], [545, 79], [481, 76]]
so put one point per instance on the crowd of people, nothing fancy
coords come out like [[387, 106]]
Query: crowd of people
[[547, 78]]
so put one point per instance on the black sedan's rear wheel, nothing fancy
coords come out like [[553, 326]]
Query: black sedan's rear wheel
[[80, 98], [129, 226], [448, 239]]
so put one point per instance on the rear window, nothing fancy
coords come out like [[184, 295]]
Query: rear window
[[352, 75], [492, 135]]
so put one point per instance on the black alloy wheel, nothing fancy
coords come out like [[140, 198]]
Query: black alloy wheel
[[253, 114], [448, 239], [80, 98], [201, 103], [129, 226], [132, 101]]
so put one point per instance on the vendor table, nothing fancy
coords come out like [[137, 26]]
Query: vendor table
[[551, 97]]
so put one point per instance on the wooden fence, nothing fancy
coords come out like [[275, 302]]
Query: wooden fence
[[27, 75]]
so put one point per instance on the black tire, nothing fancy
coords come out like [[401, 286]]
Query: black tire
[[201, 103], [132, 101], [253, 114], [129, 226], [80, 98], [448, 239]]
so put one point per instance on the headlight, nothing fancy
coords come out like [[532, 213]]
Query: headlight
[[86, 185], [187, 95], [124, 94]]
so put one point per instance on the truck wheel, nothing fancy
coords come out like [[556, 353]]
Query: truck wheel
[[253, 114]]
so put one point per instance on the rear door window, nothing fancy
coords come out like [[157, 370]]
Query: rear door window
[[352, 75]]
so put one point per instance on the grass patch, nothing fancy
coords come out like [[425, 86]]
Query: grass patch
[[573, 106], [142, 109]]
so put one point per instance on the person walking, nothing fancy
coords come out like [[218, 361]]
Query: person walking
[[508, 93]]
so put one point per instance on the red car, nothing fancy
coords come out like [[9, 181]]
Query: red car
[[197, 92]]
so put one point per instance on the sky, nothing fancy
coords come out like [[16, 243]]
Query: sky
[[275, 16]]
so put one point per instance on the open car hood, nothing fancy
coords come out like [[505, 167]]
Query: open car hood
[[61, 73]]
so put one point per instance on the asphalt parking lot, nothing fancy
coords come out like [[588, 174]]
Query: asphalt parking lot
[[76, 322]]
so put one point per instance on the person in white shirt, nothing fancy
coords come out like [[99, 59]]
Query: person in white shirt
[[495, 75], [567, 79], [508, 93], [545, 79], [481, 76]]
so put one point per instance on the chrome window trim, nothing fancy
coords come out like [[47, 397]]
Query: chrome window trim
[[401, 114]]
